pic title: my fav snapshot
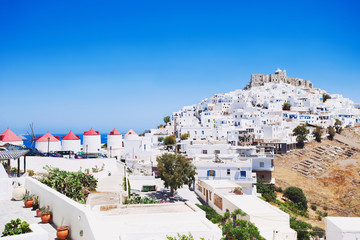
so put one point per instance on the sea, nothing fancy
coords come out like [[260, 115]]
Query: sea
[[27, 138]]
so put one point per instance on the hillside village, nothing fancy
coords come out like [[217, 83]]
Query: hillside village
[[242, 144]]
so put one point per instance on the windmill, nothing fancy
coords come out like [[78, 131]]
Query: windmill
[[32, 135]]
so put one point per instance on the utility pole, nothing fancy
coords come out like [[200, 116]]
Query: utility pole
[[48, 146]]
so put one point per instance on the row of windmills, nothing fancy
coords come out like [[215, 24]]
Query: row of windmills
[[69, 142]]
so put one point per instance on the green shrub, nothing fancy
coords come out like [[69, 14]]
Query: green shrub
[[184, 136], [319, 218], [278, 189], [141, 200], [325, 208], [297, 196], [302, 228], [15, 227], [313, 207], [267, 190], [170, 140], [182, 237], [211, 214], [319, 232], [160, 139], [31, 172], [75, 185]]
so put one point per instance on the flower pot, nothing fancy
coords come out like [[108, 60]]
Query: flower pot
[[38, 213], [45, 217], [28, 203], [35, 206], [62, 232]]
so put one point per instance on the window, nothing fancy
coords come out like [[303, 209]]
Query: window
[[262, 164], [228, 172], [243, 174], [217, 151], [218, 201], [211, 173], [204, 151]]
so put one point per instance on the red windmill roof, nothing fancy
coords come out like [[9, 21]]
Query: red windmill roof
[[114, 132], [48, 137], [91, 132], [131, 132], [71, 136], [9, 136]]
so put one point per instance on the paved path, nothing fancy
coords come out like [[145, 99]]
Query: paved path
[[112, 183], [11, 210]]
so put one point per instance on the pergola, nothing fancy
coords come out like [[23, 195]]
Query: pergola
[[14, 154]]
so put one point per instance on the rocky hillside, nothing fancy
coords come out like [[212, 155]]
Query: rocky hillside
[[328, 172]]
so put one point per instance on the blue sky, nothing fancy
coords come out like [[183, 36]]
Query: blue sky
[[72, 65]]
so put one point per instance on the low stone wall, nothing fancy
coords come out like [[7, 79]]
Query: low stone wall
[[65, 211], [38, 163]]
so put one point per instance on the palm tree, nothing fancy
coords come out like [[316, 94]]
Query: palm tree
[[235, 213]]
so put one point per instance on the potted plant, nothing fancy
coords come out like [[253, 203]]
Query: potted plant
[[15, 227], [45, 214], [238, 191], [28, 199], [35, 203], [62, 232]]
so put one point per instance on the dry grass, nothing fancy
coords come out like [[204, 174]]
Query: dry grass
[[337, 189]]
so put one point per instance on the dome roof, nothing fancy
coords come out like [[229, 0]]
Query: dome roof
[[9, 136], [48, 137], [71, 136], [114, 132], [91, 132]]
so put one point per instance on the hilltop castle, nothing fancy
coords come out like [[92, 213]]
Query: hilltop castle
[[278, 77]]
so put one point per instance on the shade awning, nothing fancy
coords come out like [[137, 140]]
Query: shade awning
[[14, 154]]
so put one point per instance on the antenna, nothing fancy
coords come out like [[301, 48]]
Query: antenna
[[32, 135]]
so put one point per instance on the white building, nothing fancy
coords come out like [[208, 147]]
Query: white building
[[342, 228], [71, 142], [9, 137], [48, 143], [236, 171], [115, 144], [91, 141], [222, 196]]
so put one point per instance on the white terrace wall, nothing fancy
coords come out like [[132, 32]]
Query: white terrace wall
[[65, 211], [38, 163]]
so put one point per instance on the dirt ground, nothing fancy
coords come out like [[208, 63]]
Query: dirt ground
[[332, 184]]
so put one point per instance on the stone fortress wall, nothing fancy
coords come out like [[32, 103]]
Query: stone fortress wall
[[278, 77]]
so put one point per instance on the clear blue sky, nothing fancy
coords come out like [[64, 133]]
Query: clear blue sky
[[126, 64]]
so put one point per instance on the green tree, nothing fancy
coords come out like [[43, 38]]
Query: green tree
[[166, 119], [267, 190], [286, 106], [318, 133], [182, 237], [184, 136], [243, 230], [325, 97], [331, 131], [175, 171], [170, 140], [302, 228], [301, 133], [160, 139], [297, 196], [338, 127]]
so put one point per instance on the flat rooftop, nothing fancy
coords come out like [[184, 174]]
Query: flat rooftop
[[155, 222], [220, 183], [252, 205], [346, 223]]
